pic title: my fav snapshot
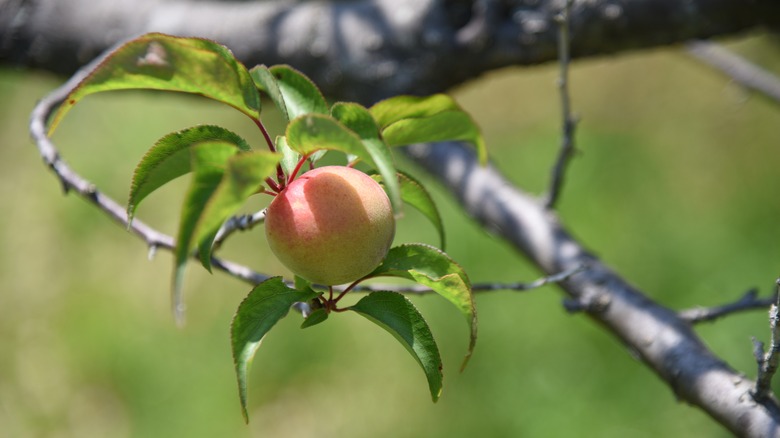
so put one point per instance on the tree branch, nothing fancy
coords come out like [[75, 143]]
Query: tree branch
[[768, 361], [739, 69], [237, 223], [661, 339], [154, 239], [569, 122], [749, 301], [368, 50], [72, 181], [479, 287]]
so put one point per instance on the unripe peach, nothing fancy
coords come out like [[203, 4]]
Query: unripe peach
[[332, 225]]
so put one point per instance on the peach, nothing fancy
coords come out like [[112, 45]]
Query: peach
[[332, 225]]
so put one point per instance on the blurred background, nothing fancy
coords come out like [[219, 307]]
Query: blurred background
[[675, 185]]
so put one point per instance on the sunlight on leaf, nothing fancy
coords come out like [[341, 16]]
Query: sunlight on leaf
[[407, 120], [162, 62], [432, 268], [290, 90], [313, 132]]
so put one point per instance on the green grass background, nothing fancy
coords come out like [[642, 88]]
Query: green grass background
[[675, 185]]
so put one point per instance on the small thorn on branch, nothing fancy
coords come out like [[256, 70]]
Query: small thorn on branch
[[768, 359]]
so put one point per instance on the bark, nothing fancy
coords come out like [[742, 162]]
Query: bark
[[367, 50]]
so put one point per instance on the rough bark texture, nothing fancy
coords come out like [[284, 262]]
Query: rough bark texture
[[366, 50]]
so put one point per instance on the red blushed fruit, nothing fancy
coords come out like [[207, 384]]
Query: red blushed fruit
[[332, 225]]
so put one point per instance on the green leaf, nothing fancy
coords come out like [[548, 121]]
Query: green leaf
[[243, 177], [410, 119], [290, 90], [396, 314], [432, 268], [290, 158], [301, 283], [209, 161], [170, 158], [265, 305], [315, 317], [162, 62], [415, 194], [314, 132], [266, 82], [357, 118]]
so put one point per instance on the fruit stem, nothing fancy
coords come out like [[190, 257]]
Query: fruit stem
[[348, 288], [323, 301], [272, 184], [279, 172], [298, 166]]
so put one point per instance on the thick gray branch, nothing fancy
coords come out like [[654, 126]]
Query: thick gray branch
[[366, 50], [657, 335]]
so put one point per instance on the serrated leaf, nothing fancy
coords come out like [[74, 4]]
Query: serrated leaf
[[170, 158], [315, 317], [415, 194], [357, 118], [162, 62], [209, 161], [432, 268], [396, 314], [410, 119], [242, 178], [265, 305], [292, 92]]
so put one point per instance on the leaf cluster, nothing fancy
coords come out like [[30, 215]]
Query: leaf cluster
[[226, 171]]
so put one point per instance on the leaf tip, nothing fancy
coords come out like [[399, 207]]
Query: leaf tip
[[436, 395], [244, 413], [130, 215]]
